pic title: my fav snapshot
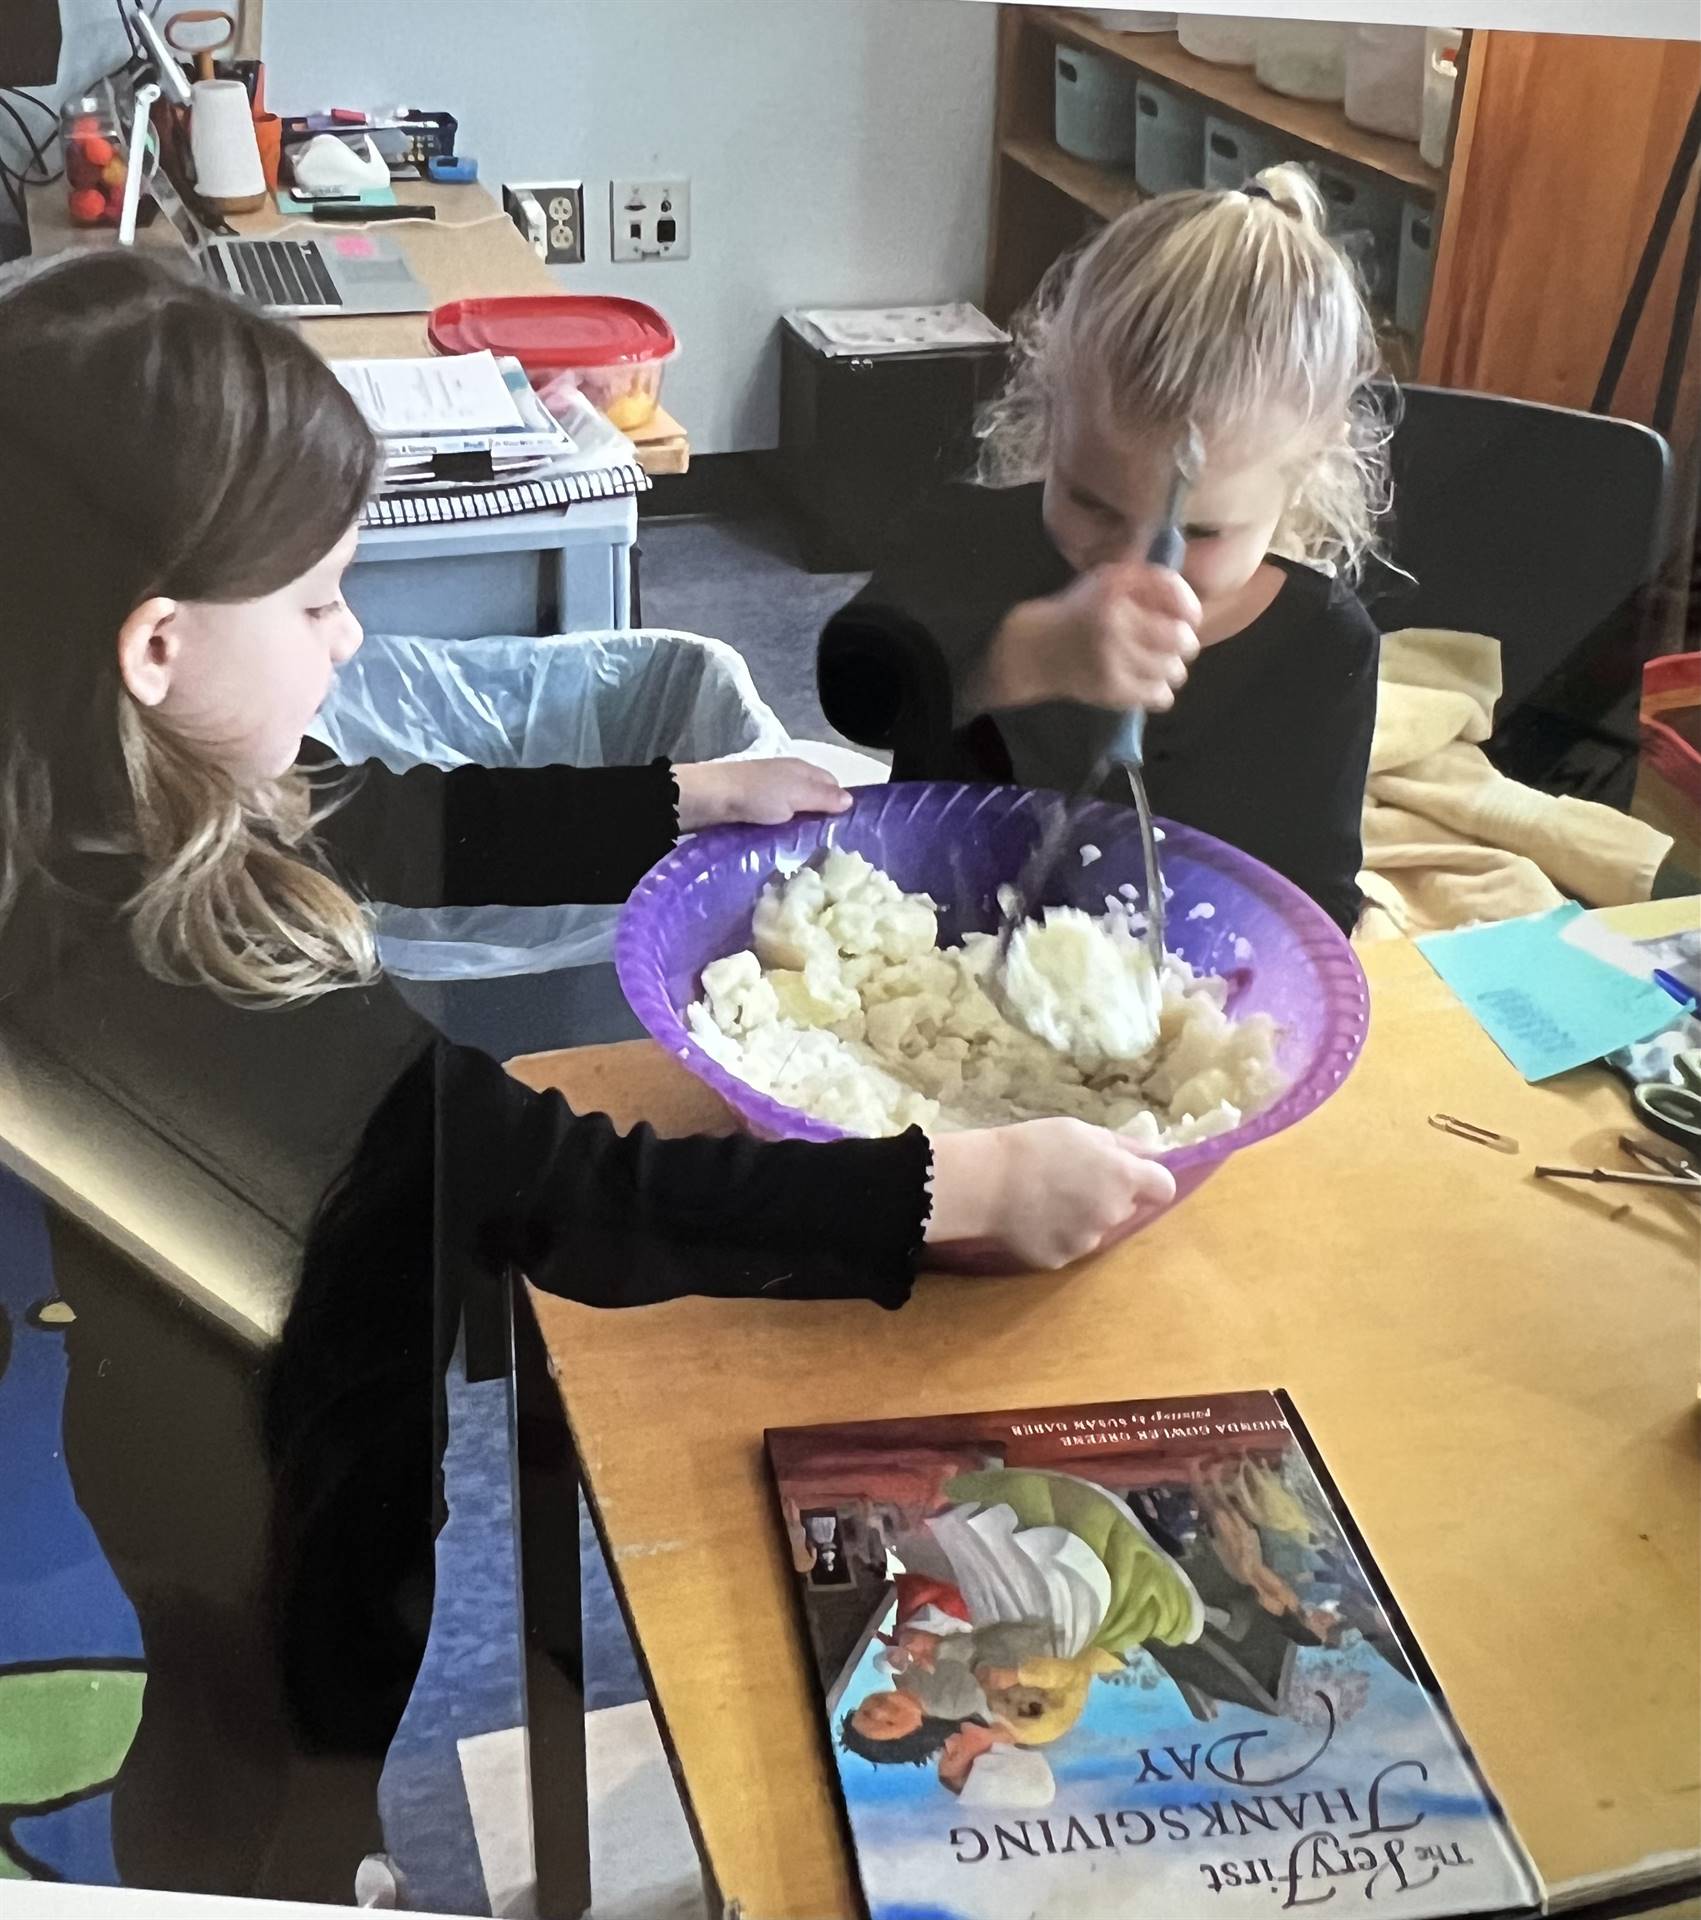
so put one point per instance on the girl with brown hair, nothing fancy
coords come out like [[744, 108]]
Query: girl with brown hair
[[183, 930]]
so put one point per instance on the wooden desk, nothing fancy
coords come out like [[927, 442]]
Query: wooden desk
[[1502, 1379], [471, 250]]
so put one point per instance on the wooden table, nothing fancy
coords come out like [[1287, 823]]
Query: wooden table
[[1501, 1376], [470, 251]]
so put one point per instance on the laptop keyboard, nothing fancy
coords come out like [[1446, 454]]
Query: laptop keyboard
[[284, 273]]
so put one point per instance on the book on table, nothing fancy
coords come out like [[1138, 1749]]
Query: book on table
[[1133, 1658]]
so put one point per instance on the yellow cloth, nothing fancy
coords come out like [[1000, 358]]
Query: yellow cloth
[[1448, 841]]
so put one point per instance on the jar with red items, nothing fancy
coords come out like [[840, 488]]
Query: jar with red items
[[95, 166]]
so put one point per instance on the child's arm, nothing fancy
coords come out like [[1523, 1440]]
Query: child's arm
[[548, 836], [516, 837], [977, 615], [624, 1219], [620, 1220], [894, 664]]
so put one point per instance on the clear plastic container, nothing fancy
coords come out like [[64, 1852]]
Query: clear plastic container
[[612, 351], [1305, 59], [95, 166], [1385, 68], [1440, 77], [628, 395], [1228, 39]]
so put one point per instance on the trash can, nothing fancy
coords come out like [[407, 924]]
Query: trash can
[[584, 700]]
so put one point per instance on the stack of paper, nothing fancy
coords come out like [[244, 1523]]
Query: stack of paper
[[846, 332], [471, 424]]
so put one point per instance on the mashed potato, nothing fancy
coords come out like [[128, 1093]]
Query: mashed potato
[[850, 1010]]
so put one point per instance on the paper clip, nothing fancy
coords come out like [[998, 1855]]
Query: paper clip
[[1465, 1130]]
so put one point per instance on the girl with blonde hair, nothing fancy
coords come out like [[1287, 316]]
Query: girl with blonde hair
[[1221, 335]]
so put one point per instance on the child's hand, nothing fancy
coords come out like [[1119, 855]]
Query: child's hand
[[1041, 1194], [764, 793], [1118, 637]]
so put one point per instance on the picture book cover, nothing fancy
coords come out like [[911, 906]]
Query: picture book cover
[[1101, 1661]]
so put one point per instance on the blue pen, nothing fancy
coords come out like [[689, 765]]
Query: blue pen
[[1683, 995]]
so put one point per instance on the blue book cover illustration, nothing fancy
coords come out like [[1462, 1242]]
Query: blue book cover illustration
[[1095, 1661]]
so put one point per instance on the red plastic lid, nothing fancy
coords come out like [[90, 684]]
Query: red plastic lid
[[548, 330]]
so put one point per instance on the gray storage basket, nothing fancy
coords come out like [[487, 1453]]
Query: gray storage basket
[[1234, 152], [1171, 149], [1364, 216], [1417, 264], [1095, 107]]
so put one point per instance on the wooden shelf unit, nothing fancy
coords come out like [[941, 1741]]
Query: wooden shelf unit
[[1044, 199], [1323, 129], [1559, 151], [1099, 189]]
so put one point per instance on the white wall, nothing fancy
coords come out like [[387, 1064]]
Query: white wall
[[839, 151]]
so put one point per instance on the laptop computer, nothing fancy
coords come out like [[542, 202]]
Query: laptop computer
[[345, 273]]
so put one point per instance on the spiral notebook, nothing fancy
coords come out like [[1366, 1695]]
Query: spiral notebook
[[441, 506]]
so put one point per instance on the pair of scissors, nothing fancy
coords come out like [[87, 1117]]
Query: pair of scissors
[[1673, 1108]]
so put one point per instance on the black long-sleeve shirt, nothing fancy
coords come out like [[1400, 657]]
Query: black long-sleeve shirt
[[277, 1103], [1267, 746], [410, 1173]]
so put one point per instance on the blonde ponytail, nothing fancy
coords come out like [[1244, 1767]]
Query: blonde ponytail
[[1224, 314], [1291, 190]]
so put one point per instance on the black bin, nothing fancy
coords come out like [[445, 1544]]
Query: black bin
[[862, 437]]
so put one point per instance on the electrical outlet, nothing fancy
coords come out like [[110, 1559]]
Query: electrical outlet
[[552, 217], [649, 219]]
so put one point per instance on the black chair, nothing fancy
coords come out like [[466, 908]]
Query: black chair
[[1543, 527]]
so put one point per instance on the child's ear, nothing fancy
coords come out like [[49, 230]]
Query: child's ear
[[147, 651]]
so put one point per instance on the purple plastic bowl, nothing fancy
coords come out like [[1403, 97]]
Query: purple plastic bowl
[[960, 844]]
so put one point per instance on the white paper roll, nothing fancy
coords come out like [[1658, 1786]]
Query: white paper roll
[[222, 142]]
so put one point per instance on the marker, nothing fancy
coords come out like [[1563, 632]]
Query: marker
[[362, 214], [1674, 986]]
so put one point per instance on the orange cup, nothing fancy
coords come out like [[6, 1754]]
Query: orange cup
[[268, 132]]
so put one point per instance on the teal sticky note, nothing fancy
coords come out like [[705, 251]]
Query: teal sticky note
[[1546, 1004], [295, 206]]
